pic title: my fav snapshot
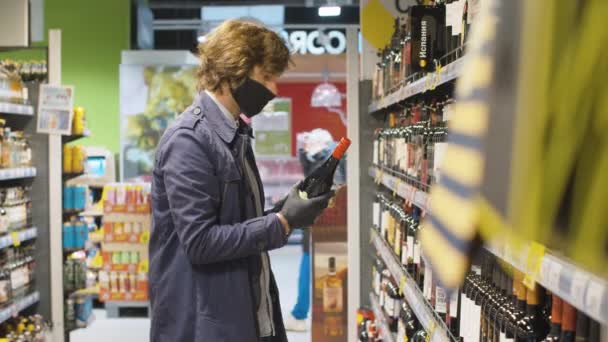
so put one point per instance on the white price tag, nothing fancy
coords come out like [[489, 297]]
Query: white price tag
[[580, 282], [554, 274], [594, 298]]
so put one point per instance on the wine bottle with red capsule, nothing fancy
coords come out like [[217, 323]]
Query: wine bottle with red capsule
[[321, 180]]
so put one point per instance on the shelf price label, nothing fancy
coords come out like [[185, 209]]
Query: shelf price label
[[402, 284], [578, 291], [144, 237], [15, 239], [536, 253], [595, 298]]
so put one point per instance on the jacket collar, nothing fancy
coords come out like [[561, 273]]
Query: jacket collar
[[219, 122]]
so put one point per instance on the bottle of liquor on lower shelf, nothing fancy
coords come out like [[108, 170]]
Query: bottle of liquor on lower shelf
[[420, 336], [556, 320], [408, 324], [392, 304], [534, 325], [568, 323]]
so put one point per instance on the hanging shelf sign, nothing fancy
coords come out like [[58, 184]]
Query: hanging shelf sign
[[55, 109]]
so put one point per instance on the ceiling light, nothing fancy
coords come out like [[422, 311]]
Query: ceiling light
[[329, 11]]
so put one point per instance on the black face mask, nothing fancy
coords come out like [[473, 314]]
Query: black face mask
[[252, 96]]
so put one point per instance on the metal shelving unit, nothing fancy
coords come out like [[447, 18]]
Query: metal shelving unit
[[380, 317], [421, 85], [16, 109], [436, 328], [586, 291], [19, 305]]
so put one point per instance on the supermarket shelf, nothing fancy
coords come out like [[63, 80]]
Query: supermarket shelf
[[16, 109], [428, 82], [19, 305], [584, 290], [418, 197], [20, 236], [436, 328], [380, 317], [17, 173]]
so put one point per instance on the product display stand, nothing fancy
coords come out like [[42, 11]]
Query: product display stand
[[123, 278]]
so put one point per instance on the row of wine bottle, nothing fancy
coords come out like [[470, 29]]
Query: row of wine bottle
[[493, 305], [426, 36], [414, 143]]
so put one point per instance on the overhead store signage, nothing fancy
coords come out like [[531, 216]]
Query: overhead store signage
[[304, 42]]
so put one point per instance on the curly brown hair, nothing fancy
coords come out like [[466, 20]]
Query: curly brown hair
[[229, 53]]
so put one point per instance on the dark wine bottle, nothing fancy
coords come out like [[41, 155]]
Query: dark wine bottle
[[556, 320], [534, 325], [568, 323], [321, 180], [582, 328]]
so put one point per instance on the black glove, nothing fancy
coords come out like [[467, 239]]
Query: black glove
[[300, 212], [277, 206]]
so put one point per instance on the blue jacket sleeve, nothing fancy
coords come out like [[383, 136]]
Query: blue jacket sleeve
[[193, 191]]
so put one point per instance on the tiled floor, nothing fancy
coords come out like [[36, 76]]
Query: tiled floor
[[285, 264]]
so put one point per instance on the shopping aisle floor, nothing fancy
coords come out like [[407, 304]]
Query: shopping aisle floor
[[285, 264]]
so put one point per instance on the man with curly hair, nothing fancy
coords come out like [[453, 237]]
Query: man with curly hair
[[210, 275]]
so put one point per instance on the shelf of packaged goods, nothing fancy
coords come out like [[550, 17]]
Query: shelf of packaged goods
[[18, 305], [584, 290], [380, 316], [17, 173], [428, 82], [404, 190], [16, 109], [436, 328], [15, 238]]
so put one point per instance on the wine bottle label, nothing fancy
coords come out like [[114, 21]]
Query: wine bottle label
[[457, 9], [439, 153], [386, 216], [417, 253], [375, 153], [397, 308], [397, 242], [477, 322], [400, 331], [463, 324], [389, 304], [405, 252], [428, 283], [410, 247], [454, 304], [440, 300], [332, 299], [376, 214]]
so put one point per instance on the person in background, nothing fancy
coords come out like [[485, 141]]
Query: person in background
[[210, 275], [317, 146]]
